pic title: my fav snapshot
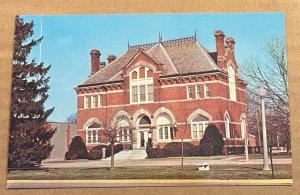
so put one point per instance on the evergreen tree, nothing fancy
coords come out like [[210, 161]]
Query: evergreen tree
[[29, 136]]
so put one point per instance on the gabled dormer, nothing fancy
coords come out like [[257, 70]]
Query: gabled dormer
[[140, 77]]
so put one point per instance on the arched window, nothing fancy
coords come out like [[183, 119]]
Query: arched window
[[227, 126], [124, 134], [232, 87], [164, 122], [198, 126], [93, 133], [141, 85], [243, 127]]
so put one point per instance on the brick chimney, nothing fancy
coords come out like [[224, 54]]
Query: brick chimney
[[111, 58], [95, 61], [219, 35], [230, 43]]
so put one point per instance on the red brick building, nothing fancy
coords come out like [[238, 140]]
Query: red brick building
[[165, 90]]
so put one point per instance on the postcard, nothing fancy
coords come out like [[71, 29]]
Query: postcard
[[131, 100]]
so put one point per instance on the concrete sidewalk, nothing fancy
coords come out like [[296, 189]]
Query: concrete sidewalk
[[231, 160]]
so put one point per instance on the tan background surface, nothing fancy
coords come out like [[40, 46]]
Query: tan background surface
[[10, 8]]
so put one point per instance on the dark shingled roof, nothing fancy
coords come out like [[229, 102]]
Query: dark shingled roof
[[179, 56]]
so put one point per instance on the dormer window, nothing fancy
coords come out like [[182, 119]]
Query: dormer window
[[141, 85]]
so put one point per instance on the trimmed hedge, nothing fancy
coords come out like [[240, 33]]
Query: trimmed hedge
[[154, 153], [172, 150], [77, 147]]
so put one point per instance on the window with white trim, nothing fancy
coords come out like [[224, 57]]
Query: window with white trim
[[189, 92], [231, 80], [164, 129], [93, 101], [198, 126], [164, 132], [198, 91], [123, 134], [86, 102], [100, 100], [141, 85], [142, 93], [227, 126], [150, 92], [93, 133], [206, 90]]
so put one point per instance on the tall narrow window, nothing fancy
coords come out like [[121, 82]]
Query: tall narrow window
[[89, 140], [100, 100], [207, 90], [231, 80], [93, 101], [134, 94], [167, 132], [189, 92], [195, 134], [160, 131], [142, 93], [227, 126], [198, 91], [243, 128], [86, 102], [150, 92]]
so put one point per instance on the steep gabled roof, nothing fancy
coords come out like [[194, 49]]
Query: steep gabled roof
[[179, 56]]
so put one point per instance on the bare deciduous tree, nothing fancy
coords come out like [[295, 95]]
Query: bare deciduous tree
[[114, 131], [270, 73], [72, 118]]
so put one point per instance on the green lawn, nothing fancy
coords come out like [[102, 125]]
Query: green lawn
[[190, 172]]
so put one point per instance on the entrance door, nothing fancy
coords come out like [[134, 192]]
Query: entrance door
[[142, 138]]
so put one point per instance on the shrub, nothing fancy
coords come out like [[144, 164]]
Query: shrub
[[96, 152], [117, 148], [70, 155], [206, 150], [154, 152], [172, 150], [78, 146], [212, 141]]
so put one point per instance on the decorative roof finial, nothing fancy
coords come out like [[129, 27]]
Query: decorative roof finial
[[128, 45], [195, 35], [160, 38]]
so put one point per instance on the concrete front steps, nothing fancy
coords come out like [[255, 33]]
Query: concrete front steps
[[130, 155]]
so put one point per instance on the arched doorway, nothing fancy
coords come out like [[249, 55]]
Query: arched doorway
[[143, 132]]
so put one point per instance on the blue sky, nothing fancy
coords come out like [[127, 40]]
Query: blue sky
[[68, 40]]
